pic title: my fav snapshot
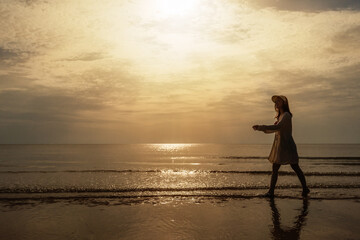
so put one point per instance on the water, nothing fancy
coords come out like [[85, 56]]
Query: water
[[139, 172], [175, 191]]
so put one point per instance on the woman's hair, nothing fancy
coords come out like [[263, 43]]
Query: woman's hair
[[285, 107]]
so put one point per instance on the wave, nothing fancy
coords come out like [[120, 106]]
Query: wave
[[168, 195], [149, 189], [355, 174], [152, 198], [305, 157]]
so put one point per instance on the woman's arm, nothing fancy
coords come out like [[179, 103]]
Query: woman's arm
[[268, 131], [275, 127]]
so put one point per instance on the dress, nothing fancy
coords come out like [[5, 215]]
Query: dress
[[284, 149]]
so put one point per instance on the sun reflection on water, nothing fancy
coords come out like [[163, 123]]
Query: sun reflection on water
[[170, 147], [177, 153], [181, 172]]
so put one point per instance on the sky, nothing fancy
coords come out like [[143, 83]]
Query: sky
[[179, 71]]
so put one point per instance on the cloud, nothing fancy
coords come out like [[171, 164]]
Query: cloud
[[92, 56], [320, 95], [103, 70], [27, 105], [345, 41], [307, 5], [32, 102], [7, 54], [114, 86], [10, 57]]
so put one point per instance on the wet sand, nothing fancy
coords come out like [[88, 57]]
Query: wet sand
[[180, 218]]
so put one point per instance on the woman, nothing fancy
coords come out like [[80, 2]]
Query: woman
[[284, 149]]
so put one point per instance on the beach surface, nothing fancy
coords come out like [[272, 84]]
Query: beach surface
[[180, 218]]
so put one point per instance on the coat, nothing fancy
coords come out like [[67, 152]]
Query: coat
[[284, 149]]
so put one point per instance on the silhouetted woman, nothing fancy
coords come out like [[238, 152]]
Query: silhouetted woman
[[284, 149]]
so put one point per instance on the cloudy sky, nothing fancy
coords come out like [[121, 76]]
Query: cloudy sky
[[176, 71]]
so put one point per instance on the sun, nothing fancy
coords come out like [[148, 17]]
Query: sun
[[173, 8]]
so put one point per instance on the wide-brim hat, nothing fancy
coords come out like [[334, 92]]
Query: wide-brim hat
[[273, 98]]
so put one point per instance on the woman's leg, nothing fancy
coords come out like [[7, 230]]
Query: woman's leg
[[274, 176], [301, 177]]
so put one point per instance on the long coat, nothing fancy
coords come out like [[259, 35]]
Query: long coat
[[284, 149]]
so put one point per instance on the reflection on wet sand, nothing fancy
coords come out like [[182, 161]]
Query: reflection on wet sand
[[280, 232]]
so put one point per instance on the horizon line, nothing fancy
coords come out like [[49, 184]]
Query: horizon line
[[171, 143]]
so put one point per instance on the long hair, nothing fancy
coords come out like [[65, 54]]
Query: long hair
[[285, 107]]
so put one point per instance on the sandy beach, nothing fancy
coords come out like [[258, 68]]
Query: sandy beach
[[180, 218]]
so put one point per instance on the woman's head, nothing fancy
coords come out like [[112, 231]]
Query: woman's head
[[281, 102]]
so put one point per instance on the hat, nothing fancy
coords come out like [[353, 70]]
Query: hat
[[273, 98]]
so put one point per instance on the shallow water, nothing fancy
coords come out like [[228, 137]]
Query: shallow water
[[61, 171]]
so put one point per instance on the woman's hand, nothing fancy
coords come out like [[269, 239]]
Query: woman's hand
[[255, 127]]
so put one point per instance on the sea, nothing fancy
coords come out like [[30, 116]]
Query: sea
[[133, 173]]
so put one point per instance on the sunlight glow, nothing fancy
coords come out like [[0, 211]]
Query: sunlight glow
[[169, 8], [164, 37]]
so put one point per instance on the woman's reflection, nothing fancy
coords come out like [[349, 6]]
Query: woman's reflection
[[279, 232]]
